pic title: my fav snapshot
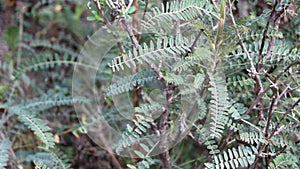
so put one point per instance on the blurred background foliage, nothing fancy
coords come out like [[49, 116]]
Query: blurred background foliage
[[30, 29]]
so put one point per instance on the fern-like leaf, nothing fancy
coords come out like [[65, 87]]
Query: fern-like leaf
[[282, 53], [4, 152], [40, 165], [212, 146], [282, 161], [283, 141], [253, 137], [38, 127], [258, 34], [126, 83], [53, 159], [46, 102], [143, 164], [174, 79], [169, 49], [142, 122], [233, 158], [186, 10], [218, 104], [46, 62]]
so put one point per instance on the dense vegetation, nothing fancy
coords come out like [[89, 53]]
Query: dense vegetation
[[149, 84]]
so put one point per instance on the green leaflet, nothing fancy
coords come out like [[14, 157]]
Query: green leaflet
[[241, 156], [5, 145], [219, 104], [152, 52]]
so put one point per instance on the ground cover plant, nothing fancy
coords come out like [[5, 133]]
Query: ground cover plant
[[163, 84]]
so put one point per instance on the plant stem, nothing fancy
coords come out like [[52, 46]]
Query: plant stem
[[20, 36]]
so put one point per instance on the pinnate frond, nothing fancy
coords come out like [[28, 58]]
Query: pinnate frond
[[4, 152], [164, 48]]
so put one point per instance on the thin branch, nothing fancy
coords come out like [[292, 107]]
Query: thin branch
[[195, 41], [273, 38], [262, 46], [163, 126], [272, 134], [253, 69], [284, 116], [224, 142], [200, 144], [120, 44], [258, 97], [145, 10], [252, 125], [108, 24], [218, 39], [274, 106]]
